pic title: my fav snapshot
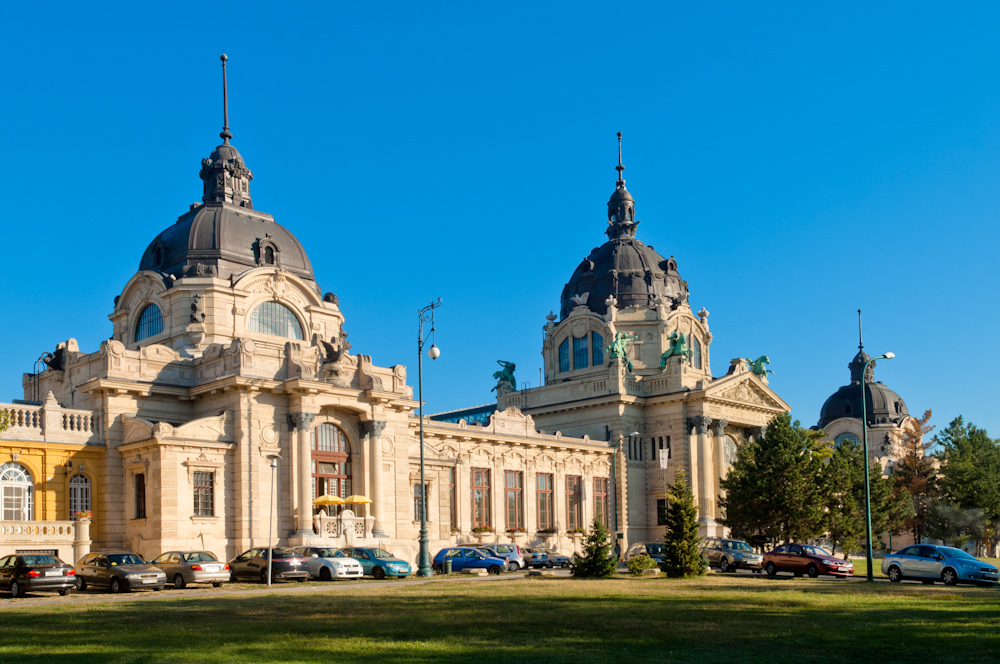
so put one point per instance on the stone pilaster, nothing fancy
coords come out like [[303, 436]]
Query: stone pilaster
[[373, 431], [719, 433], [706, 481], [302, 423]]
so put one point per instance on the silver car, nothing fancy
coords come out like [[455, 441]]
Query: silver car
[[929, 563], [184, 567], [511, 553], [327, 563]]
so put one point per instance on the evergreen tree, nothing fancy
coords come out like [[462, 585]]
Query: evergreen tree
[[915, 475], [683, 554], [596, 561], [970, 472], [774, 490]]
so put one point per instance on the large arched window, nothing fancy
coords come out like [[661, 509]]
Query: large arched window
[[79, 495], [150, 323], [847, 436], [16, 489], [331, 461], [695, 352], [564, 356], [275, 319]]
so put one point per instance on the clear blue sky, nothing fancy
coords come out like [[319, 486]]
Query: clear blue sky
[[799, 162]]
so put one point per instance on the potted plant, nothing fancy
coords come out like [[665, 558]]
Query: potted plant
[[479, 532], [85, 515]]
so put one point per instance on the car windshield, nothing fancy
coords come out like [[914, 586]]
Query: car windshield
[[736, 545], [956, 553], [40, 560], [656, 549], [330, 553], [284, 553], [815, 551], [381, 553], [199, 557], [116, 559]]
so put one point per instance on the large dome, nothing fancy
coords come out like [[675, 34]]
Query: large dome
[[882, 404]]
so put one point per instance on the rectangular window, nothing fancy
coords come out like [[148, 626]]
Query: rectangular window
[[418, 501], [140, 496], [580, 352], [452, 496], [480, 498], [543, 485], [564, 356], [661, 512], [602, 506], [597, 342], [574, 502], [204, 498], [514, 499], [663, 445]]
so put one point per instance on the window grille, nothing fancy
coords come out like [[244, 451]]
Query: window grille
[[204, 499], [150, 323], [79, 495], [275, 319]]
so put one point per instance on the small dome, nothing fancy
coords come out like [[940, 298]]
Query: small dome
[[882, 404]]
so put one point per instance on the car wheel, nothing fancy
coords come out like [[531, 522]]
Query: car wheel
[[512, 567], [263, 576], [494, 570], [549, 566], [771, 569], [15, 589], [949, 577], [216, 584], [81, 585], [895, 574], [724, 566], [324, 574], [179, 582], [812, 571], [232, 576], [64, 592], [116, 585], [437, 569], [378, 573]]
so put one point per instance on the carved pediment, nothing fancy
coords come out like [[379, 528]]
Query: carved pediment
[[215, 428], [749, 393], [512, 421], [136, 430]]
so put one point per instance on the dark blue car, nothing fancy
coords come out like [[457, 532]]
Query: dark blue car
[[467, 557]]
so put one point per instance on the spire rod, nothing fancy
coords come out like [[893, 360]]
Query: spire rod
[[225, 135], [861, 343], [619, 167]]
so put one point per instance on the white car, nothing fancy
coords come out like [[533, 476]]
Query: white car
[[327, 563]]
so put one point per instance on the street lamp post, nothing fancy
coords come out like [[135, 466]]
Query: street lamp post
[[864, 438], [270, 526], [424, 315], [614, 480]]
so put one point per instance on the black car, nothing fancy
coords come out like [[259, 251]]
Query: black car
[[35, 572], [285, 564], [118, 571]]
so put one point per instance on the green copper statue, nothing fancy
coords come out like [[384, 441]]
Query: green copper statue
[[618, 348], [758, 367], [678, 348], [505, 377]]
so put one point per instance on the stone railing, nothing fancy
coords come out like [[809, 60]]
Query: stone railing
[[50, 422], [345, 528], [69, 539]]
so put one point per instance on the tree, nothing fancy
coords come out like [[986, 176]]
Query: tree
[[683, 554], [970, 472], [915, 473], [596, 561], [774, 489], [950, 523]]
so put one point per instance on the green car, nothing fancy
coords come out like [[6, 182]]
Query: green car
[[378, 563]]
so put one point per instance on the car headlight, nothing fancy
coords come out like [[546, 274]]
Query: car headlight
[[832, 563], [132, 576], [336, 565], [969, 566]]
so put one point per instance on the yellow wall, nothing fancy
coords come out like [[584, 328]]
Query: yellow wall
[[47, 464]]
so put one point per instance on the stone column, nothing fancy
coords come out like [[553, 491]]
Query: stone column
[[303, 510], [706, 482], [373, 430], [718, 431]]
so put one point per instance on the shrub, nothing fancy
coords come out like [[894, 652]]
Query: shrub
[[639, 563]]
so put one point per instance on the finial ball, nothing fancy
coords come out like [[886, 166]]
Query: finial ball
[[619, 134], [223, 58]]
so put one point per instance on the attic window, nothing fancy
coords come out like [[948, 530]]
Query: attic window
[[275, 319], [268, 255], [157, 255], [150, 323]]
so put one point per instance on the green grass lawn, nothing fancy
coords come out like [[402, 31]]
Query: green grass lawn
[[712, 619]]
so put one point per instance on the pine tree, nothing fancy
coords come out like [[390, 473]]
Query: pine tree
[[845, 512], [915, 474], [596, 561], [683, 554], [970, 473]]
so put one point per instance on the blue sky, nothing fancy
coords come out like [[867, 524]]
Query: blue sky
[[799, 162]]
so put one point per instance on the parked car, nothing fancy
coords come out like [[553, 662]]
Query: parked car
[[535, 557], [468, 557], [35, 572], [730, 555], [327, 563], [184, 567], [930, 563], [556, 559], [512, 554], [118, 571], [655, 550], [379, 562], [285, 564], [802, 559]]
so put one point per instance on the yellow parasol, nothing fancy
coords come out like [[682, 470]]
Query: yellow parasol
[[329, 500], [357, 500]]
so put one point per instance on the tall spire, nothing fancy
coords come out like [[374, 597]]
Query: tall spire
[[621, 206], [225, 135], [861, 343], [620, 168]]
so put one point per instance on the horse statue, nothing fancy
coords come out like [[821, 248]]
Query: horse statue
[[758, 367], [678, 348], [505, 377], [618, 348]]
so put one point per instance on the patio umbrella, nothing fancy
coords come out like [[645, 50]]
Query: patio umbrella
[[329, 500], [357, 500]]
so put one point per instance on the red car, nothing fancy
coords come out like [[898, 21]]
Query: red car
[[802, 559]]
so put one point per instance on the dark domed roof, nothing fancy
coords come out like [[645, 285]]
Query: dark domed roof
[[224, 240], [883, 405]]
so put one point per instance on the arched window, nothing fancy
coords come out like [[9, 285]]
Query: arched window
[[331, 461], [695, 352], [268, 255], [150, 323], [16, 490], [729, 450], [846, 436], [79, 495], [580, 353], [564, 355], [598, 348], [275, 319]]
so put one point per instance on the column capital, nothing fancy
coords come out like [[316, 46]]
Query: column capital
[[301, 421], [699, 422], [373, 428], [719, 427]]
